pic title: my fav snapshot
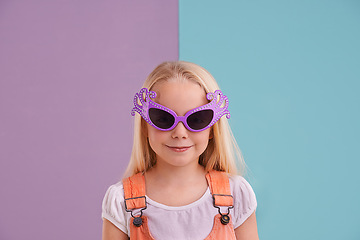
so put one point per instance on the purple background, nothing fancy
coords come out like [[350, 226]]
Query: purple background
[[68, 72]]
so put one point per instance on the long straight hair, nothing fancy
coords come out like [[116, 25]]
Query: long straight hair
[[222, 152]]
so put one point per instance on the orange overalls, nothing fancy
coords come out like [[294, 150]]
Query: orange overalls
[[134, 190]]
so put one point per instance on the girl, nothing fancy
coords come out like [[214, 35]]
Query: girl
[[181, 182]]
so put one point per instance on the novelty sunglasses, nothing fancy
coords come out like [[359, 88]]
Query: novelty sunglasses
[[195, 120]]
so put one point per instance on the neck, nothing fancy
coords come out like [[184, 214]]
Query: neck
[[175, 186]]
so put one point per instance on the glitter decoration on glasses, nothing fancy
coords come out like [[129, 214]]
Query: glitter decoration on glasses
[[195, 120]]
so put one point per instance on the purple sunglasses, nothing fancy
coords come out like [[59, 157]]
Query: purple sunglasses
[[165, 119]]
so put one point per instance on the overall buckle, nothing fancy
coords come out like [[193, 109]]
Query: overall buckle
[[137, 221], [225, 219]]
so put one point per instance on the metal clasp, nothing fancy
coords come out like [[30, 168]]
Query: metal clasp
[[131, 211], [225, 219]]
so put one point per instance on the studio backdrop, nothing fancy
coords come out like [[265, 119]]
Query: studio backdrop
[[69, 70]]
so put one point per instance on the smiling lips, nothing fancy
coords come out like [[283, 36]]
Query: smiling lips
[[179, 149]]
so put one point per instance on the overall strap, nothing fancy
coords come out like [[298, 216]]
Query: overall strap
[[134, 190], [220, 188]]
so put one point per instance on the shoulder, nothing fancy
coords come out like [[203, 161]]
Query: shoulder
[[239, 184], [244, 199], [114, 193], [113, 206]]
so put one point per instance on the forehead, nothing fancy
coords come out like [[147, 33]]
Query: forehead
[[180, 96]]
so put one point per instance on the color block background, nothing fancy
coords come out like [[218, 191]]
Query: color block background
[[291, 70], [68, 72]]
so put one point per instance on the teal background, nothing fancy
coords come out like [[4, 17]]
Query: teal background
[[291, 70]]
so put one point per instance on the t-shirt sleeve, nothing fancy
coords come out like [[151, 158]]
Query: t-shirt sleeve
[[244, 200], [113, 207]]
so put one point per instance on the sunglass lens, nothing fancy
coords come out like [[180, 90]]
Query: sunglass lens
[[200, 119], [161, 118]]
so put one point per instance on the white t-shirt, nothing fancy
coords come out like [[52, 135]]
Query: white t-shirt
[[193, 221]]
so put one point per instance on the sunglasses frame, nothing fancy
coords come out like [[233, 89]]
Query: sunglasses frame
[[218, 104]]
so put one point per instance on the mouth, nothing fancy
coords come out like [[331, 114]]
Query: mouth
[[179, 148]]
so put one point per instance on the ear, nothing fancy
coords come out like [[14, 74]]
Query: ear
[[211, 134]]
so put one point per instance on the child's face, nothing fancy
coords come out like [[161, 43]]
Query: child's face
[[179, 146]]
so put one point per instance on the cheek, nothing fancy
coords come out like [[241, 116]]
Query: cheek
[[153, 140], [203, 137], [155, 136]]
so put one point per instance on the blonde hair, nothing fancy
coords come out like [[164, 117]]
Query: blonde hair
[[222, 152]]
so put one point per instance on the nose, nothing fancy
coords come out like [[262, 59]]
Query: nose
[[179, 131]]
